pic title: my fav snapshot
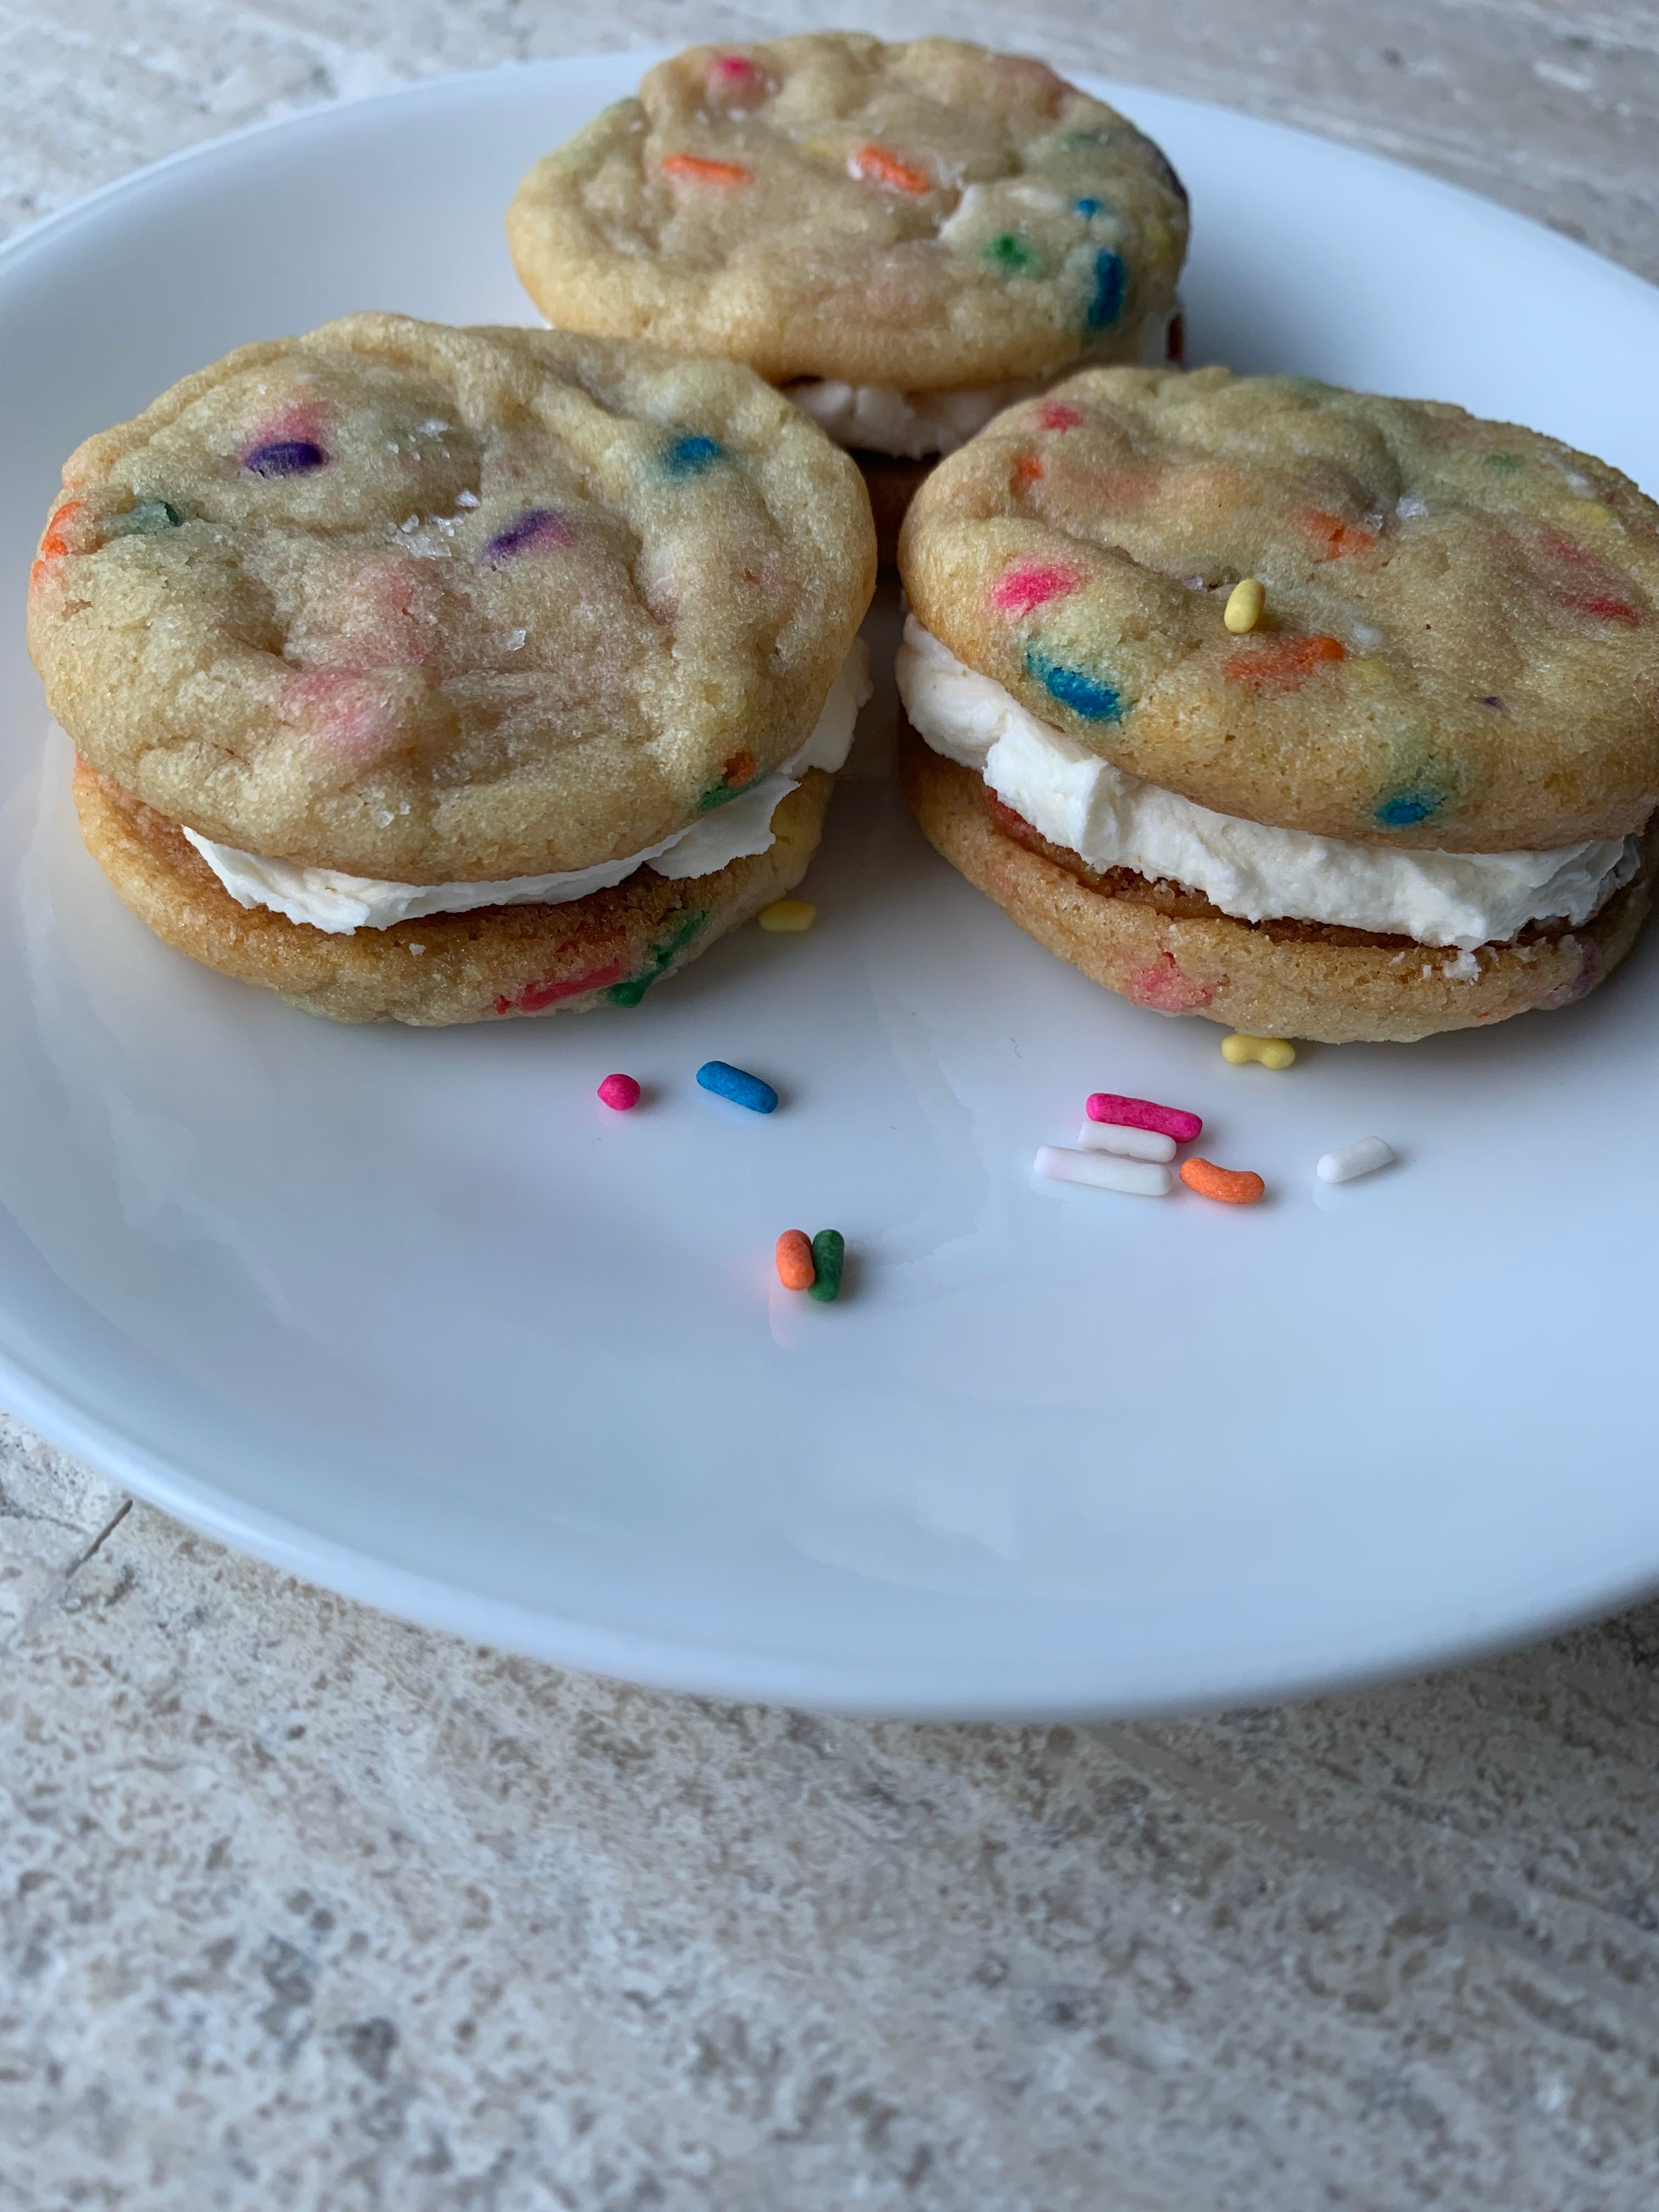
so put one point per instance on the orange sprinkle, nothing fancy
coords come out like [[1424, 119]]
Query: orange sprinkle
[[793, 1261], [874, 165], [54, 545], [1227, 1186], [1332, 537], [1281, 664], [697, 171], [1027, 469]]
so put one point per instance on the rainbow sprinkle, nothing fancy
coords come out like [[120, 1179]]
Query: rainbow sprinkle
[[691, 456], [1111, 288], [285, 457], [1029, 584], [1011, 253], [146, 518], [537, 528], [1406, 807], [661, 958], [1086, 695]]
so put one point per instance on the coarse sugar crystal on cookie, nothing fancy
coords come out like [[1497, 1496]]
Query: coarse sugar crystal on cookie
[[909, 237], [1429, 731], [397, 621]]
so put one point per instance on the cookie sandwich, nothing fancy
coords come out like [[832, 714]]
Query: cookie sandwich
[[906, 238], [433, 675], [1319, 715]]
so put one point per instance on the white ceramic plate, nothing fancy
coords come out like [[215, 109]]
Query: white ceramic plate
[[413, 1315]]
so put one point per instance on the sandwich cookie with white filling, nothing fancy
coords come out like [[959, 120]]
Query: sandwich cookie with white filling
[[1405, 787], [435, 675]]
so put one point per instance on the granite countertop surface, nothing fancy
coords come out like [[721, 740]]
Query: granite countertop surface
[[301, 1908]]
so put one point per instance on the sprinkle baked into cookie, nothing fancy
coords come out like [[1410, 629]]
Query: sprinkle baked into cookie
[[1324, 670], [888, 221], [537, 652]]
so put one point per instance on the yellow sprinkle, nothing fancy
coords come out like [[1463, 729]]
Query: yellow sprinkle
[[1244, 604], [788, 915], [1271, 1052]]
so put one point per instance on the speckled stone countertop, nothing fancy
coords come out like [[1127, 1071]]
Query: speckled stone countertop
[[304, 1910]]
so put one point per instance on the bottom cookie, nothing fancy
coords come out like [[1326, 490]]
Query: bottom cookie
[[1170, 950], [605, 950]]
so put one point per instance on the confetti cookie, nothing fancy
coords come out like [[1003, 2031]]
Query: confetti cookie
[[1320, 714], [907, 237], [396, 623]]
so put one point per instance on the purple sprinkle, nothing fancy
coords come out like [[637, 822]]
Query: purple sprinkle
[[538, 526], [1499, 703], [286, 457]]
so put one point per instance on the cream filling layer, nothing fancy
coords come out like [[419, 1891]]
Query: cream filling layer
[[329, 899], [1248, 869], [917, 425]]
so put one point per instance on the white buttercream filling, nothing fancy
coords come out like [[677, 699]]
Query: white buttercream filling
[[917, 426], [329, 899], [1248, 869], [908, 425]]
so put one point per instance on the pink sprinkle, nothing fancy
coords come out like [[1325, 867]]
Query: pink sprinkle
[[1144, 1114], [1057, 416], [1029, 584], [620, 1092], [1166, 988], [736, 69]]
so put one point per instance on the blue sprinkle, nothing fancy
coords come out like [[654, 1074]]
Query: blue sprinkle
[[1084, 695], [1407, 807], [733, 1083], [286, 457], [1086, 208], [1111, 283], [690, 456]]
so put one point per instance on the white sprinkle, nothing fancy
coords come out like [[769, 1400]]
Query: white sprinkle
[[466, 499], [1361, 1157], [515, 638], [1102, 1171], [384, 818], [1365, 637], [408, 523], [1129, 1144], [434, 426], [1465, 968], [1411, 506]]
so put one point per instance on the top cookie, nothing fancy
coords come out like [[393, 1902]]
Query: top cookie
[[1461, 643], [922, 216], [445, 606]]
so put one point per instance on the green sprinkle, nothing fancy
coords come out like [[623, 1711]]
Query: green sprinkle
[[829, 1251], [144, 520], [1507, 462], [718, 793], [1010, 251], [661, 957]]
